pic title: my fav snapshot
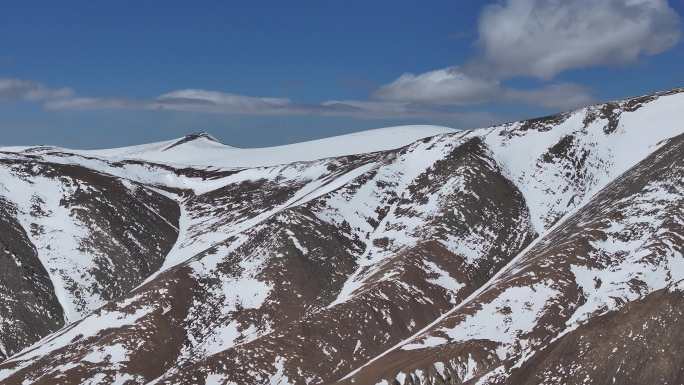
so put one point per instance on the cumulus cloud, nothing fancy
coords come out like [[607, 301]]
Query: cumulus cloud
[[18, 89], [542, 38]]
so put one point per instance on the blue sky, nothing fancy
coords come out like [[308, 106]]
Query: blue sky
[[102, 74]]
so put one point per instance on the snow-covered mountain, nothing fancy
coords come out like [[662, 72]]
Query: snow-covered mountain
[[203, 150], [546, 251]]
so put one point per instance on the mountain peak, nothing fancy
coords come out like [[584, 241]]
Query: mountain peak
[[192, 137], [201, 134]]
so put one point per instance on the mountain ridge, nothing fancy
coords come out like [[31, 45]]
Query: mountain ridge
[[204, 150]]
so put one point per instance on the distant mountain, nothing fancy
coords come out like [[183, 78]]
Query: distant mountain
[[548, 251], [202, 149]]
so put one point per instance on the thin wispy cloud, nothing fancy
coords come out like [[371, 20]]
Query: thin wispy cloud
[[18, 89], [214, 102]]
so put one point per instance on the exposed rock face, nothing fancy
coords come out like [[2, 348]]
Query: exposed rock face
[[638, 344], [540, 252], [30, 309]]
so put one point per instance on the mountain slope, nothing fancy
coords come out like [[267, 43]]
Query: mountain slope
[[624, 245], [73, 239], [478, 256]]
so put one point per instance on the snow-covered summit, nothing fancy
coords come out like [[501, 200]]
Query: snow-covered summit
[[202, 149]]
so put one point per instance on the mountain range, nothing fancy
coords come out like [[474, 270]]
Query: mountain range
[[546, 251]]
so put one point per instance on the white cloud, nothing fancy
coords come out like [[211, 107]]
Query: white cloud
[[214, 101], [228, 103], [206, 101], [542, 38], [537, 38], [451, 86], [443, 86], [191, 100], [18, 89], [83, 103]]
